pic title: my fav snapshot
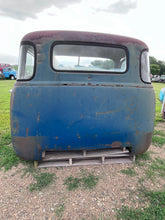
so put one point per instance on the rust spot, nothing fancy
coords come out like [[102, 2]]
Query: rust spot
[[95, 97], [30, 105], [27, 131], [94, 136], [69, 146], [81, 115], [74, 93], [108, 112], [27, 95], [56, 138], [28, 148], [39, 147], [41, 37], [144, 143], [78, 136], [38, 117], [116, 144]]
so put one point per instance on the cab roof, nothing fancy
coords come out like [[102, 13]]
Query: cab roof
[[40, 37]]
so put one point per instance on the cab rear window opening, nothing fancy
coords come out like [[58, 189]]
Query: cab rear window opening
[[82, 58], [89, 58]]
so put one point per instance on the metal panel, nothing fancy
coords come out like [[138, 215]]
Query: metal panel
[[64, 111]]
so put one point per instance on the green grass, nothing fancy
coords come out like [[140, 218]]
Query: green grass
[[5, 86], [8, 158], [85, 180], [158, 141], [143, 158], [60, 210], [156, 168], [159, 133], [158, 138], [140, 161], [157, 88], [155, 210], [42, 180], [129, 171]]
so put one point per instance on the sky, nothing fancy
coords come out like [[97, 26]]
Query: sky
[[141, 19]]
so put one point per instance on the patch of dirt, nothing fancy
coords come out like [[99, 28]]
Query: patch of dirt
[[160, 127], [113, 190]]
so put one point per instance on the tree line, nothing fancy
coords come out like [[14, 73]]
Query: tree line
[[157, 66]]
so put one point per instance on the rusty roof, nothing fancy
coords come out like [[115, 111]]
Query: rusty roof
[[46, 36]]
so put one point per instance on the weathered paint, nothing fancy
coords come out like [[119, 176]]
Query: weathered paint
[[69, 111]]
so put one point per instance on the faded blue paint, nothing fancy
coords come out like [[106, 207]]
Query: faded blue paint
[[61, 111]]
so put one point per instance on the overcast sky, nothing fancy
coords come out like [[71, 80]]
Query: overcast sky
[[142, 19]]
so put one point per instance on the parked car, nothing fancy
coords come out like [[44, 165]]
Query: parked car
[[155, 78], [162, 79]]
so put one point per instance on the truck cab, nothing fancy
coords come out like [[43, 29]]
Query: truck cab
[[81, 91]]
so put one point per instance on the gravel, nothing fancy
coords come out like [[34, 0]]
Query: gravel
[[113, 190]]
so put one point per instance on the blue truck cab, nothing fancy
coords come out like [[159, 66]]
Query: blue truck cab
[[9, 73], [81, 91]]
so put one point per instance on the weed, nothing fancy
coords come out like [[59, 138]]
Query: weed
[[157, 167], [129, 171], [8, 158], [72, 183], [42, 180], [5, 139], [29, 169], [86, 180], [160, 133], [158, 141], [142, 158], [59, 210]]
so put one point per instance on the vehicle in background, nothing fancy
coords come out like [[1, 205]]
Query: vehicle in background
[[2, 76], [9, 73], [155, 78], [162, 79], [3, 65]]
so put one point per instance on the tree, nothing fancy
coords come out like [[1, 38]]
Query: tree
[[155, 69], [161, 66], [106, 64], [153, 60]]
